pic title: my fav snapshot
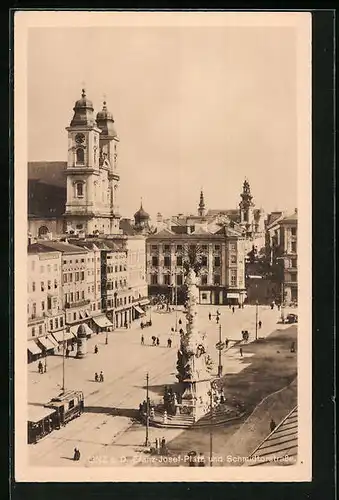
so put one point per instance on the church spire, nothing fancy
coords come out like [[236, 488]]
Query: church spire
[[201, 209]]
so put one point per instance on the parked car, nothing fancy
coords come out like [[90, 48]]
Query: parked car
[[291, 318]]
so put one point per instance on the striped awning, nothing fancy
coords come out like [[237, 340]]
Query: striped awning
[[46, 342], [33, 347]]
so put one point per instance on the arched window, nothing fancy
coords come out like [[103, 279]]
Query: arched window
[[79, 187], [80, 156], [43, 230]]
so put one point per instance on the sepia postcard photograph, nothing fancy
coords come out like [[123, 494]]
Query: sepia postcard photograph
[[162, 246]]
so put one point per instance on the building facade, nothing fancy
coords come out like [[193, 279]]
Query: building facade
[[222, 255], [45, 312], [282, 239]]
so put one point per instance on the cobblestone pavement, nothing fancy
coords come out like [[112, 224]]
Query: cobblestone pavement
[[104, 433]]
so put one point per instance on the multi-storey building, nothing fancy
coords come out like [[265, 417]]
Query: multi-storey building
[[222, 256], [78, 296], [282, 239], [44, 305]]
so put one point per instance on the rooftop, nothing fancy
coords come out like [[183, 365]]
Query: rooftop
[[63, 247]]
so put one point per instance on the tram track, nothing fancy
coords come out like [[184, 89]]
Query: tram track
[[70, 434]]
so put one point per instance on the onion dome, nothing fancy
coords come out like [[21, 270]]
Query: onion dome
[[105, 121], [141, 215], [83, 112]]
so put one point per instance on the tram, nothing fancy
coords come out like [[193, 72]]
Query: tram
[[42, 420]]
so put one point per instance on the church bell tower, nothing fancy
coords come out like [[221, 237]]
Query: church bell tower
[[92, 177]]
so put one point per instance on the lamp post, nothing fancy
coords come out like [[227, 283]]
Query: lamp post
[[45, 367], [220, 347], [147, 411], [256, 320], [282, 302], [63, 360], [106, 339], [211, 393]]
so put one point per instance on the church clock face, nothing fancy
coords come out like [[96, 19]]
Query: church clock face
[[79, 138]]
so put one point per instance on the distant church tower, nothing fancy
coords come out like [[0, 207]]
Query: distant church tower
[[92, 178], [201, 209], [246, 207]]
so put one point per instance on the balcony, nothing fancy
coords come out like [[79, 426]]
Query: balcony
[[36, 318], [78, 303]]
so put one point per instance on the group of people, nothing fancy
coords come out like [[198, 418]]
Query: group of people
[[146, 324], [156, 341], [99, 378]]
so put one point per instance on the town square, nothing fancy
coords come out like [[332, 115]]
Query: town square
[[161, 302]]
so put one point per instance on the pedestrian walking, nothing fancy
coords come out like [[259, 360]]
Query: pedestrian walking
[[142, 340], [101, 377], [272, 425], [76, 455], [259, 324], [96, 350], [40, 367], [179, 321], [209, 316], [240, 350], [226, 343], [96, 377], [169, 342], [163, 443], [153, 339], [172, 329], [233, 310], [158, 341], [217, 319], [201, 460]]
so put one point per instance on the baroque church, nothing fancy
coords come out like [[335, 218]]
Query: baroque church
[[80, 196]]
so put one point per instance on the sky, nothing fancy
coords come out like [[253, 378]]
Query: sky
[[194, 107]]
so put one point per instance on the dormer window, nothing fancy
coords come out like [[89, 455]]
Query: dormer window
[[80, 156]]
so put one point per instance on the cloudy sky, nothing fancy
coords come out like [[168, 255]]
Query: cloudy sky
[[194, 107]]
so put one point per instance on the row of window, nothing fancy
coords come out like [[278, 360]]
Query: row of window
[[48, 267], [57, 323], [40, 330], [179, 248], [111, 285], [78, 276], [71, 297], [120, 301], [116, 269], [179, 261], [80, 261], [43, 285]]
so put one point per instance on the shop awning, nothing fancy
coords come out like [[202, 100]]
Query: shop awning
[[32, 347], [102, 321], [60, 336], [37, 413], [46, 342], [144, 302], [232, 295], [52, 339], [139, 310]]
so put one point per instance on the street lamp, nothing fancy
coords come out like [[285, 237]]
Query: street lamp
[[220, 348], [211, 394], [106, 339], [256, 320], [63, 360], [147, 412], [45, 367]]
